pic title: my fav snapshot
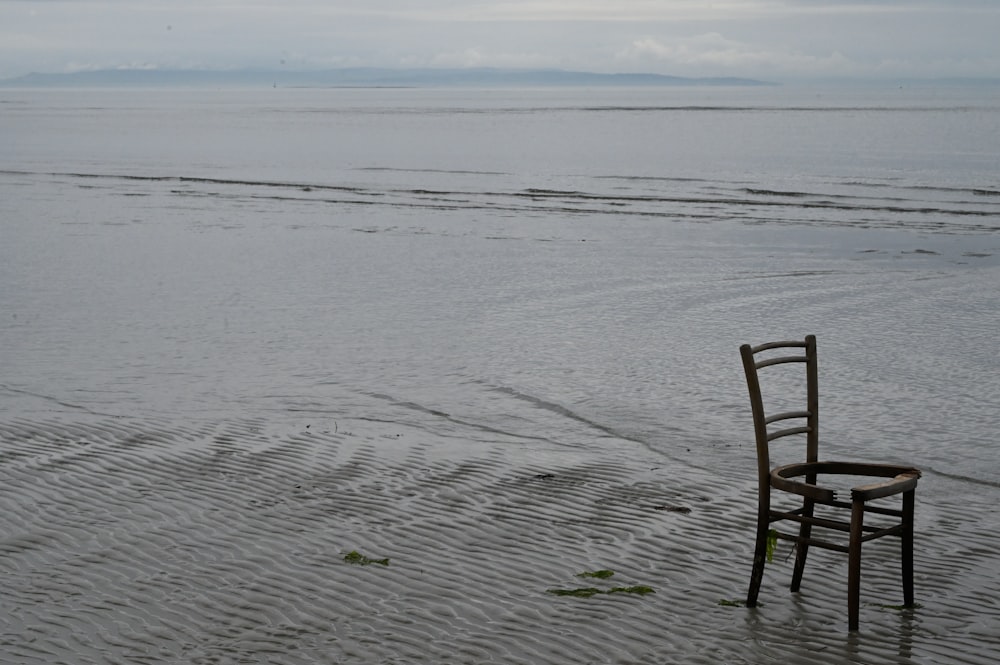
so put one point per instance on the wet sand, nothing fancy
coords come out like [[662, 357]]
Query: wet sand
[[228, 542]]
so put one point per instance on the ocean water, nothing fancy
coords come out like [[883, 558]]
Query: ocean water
[[526, 261]]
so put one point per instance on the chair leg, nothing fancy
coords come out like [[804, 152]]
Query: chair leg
[[907, 553], [801, 548], [759, 558], [854, 565]]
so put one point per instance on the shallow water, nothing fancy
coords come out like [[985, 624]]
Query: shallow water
[[530, 271], [604, 251]]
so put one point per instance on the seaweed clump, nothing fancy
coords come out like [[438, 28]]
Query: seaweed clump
[[576, 593], [599, 574], [587, 592], [358, 559]]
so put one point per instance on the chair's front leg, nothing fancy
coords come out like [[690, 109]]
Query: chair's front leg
[[801, 548], [759, 555], [907, 545], [854, 564]]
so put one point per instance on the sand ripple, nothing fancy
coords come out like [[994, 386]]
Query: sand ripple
[[153, 542]]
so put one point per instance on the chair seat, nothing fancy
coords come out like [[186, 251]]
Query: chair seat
[[901, 479]]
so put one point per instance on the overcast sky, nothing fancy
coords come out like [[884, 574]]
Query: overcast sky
[[769, 39]]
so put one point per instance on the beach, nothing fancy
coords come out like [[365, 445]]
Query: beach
[[435, 376]]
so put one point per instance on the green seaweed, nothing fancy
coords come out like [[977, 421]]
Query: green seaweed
[[640, 589], [599, 574], [602, 574], [359, 559], [577, 593], [587, 592], [732, 603], [772, 542]]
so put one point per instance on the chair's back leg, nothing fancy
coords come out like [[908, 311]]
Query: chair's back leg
[[907, 545]]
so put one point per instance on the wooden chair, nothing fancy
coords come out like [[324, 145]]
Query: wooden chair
[[800, 479]]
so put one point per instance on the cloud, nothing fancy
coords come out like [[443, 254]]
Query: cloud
[[712, 52]]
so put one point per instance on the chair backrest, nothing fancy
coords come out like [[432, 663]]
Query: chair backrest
[[756, 358]]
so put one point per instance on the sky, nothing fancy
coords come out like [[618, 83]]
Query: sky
[[778, 40]]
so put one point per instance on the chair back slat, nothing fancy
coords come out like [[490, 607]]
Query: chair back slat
[[785, 416], [760, 364], [778, 345], [788, 432]]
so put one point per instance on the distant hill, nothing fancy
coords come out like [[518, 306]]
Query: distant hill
[[359, 77]]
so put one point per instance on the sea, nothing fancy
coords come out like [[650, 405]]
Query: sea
[[510, 257]]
